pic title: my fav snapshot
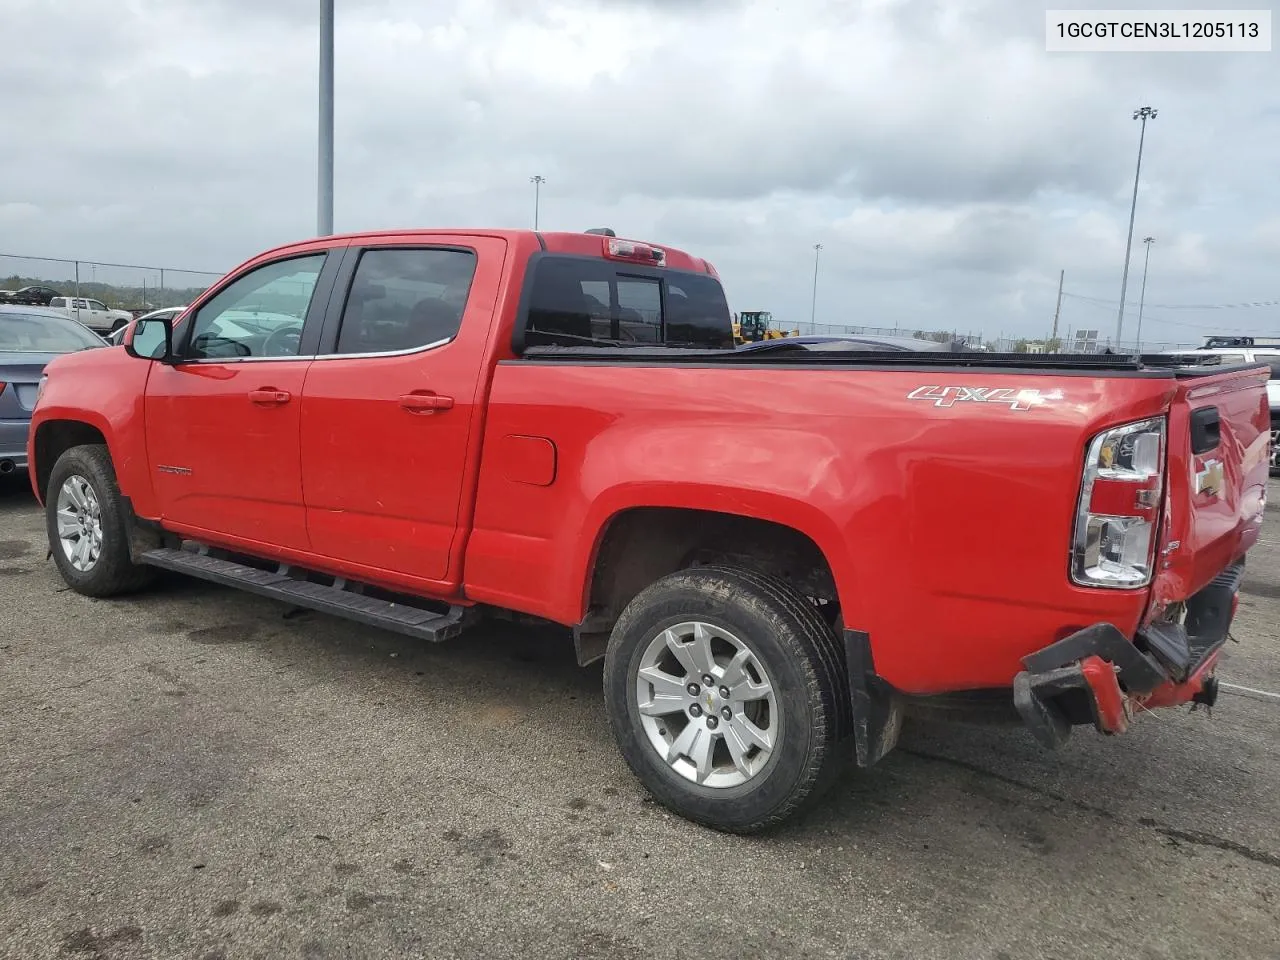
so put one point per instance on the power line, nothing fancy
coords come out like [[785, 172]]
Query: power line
[[1208, 328], [1245, 305]]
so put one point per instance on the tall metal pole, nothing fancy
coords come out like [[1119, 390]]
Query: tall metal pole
[[1058, 309], [1144, 114], [813, 309], [1142, 299], [537, 182], [324, 192]]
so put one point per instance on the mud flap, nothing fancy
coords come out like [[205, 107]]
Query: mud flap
[[876, 709]]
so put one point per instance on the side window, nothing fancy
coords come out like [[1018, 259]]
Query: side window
[[97, 305], [82, 305], [58, 302], [639, 310], [697, 313], [403, 299], [258, 315]]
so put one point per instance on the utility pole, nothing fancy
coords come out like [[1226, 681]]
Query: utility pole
[[1058, 309], [537, 182], [1142, 299], [813, 310], [324, 186], [1144, 114]]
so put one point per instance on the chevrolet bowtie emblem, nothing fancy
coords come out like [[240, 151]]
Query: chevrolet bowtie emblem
[[1209, 479]]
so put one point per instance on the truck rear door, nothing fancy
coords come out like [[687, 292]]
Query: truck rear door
[[1217, 478], [392, 403]]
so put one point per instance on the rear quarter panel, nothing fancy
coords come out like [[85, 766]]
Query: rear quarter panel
[[946, 527]]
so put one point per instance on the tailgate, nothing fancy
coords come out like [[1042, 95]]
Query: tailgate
[[1219, 432]]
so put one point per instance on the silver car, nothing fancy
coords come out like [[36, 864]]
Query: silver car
[[29, 338], [117, 336]]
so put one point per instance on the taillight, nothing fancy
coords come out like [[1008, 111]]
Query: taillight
[[1115, 531]]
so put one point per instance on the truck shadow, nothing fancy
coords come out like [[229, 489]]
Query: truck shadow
[[504, 681], [15, 492]]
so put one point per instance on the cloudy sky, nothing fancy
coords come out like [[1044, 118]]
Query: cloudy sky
[[949, 165]]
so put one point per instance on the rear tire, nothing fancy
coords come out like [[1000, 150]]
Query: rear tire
[[85, 517], [700, 622]]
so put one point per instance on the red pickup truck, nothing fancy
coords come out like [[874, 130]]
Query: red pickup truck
[[778, 552]]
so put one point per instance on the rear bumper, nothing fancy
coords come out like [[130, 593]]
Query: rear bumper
[[13, 445], [1098, 675]]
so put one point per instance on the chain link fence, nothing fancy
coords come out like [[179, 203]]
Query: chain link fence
[[121, 286]]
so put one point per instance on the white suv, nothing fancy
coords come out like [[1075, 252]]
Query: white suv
[[1243, 354], [94, 314]]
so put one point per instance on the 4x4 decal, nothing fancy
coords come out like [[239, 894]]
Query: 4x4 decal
[[1015, 399]]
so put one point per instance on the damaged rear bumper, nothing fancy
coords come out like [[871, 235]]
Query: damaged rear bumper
[[1098, 675]]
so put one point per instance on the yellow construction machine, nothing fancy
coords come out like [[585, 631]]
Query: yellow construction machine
[[752, 326]]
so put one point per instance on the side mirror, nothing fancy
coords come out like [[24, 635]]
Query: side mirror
[[151, 339]]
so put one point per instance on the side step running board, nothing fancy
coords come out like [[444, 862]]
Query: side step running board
[[398, 617]]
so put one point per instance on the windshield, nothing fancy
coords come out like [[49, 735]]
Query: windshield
[[35, 333]]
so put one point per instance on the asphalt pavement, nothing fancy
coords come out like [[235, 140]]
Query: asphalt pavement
[[195, 773]]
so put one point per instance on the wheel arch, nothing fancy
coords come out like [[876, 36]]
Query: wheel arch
[[634, 545], [52, 439]]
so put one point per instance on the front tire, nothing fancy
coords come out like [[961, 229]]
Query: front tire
[[765, 738], [85, 518]]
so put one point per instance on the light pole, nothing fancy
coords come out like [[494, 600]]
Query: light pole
[[537, 182], [324, 177], [1142, 299], [813, 309], [1144, 114]]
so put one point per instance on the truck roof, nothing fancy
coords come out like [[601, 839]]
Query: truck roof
[[563, 242]]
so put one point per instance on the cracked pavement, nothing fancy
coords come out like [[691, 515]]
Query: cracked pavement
[[192, 773]]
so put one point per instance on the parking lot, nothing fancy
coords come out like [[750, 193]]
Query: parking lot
[[198, 773]]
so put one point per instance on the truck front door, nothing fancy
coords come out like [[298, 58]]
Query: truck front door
[[222, 421], [389, 409]]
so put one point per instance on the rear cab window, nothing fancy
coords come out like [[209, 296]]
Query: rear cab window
[[576, 301]]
